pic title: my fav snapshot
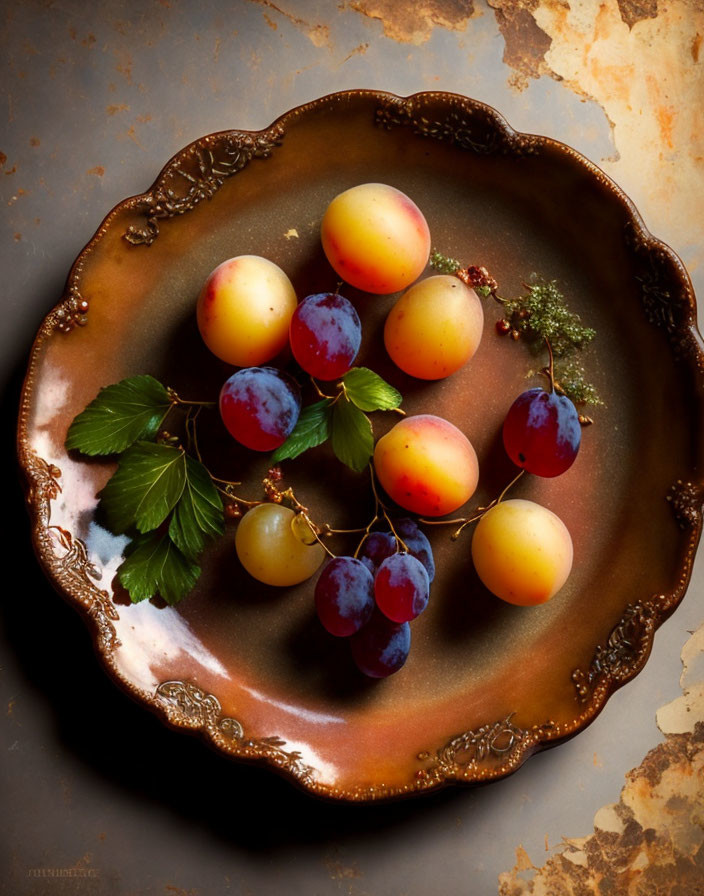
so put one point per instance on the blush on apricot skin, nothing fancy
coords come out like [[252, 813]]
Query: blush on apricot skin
[[244, 310], [426, 465], [376, 238]]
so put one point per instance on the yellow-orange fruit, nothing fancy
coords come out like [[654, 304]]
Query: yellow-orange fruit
[[270, 547], [522, 552], [244, 310], [376, 238], [435, 327], [427, 465]]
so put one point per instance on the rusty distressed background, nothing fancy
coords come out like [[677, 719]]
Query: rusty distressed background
[[99, 797]]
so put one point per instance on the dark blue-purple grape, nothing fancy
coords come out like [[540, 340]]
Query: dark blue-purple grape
[[376, 548], [401, 588], [381, 647], [542, 432], [344, 596], [417, 543], [260, 407], [325, 335]]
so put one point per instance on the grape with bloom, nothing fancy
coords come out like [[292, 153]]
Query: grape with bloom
[[344, 596], [381, 647], [260, 407], [542, 432], [401, 587], [325, 335]]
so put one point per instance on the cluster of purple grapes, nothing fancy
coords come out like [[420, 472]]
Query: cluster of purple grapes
[[260, 405], [372, 598], [542, 432]]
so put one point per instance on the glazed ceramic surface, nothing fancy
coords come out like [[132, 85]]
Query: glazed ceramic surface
[[486, 684]]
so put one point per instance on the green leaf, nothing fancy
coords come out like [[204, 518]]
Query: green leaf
[[198, 514], [154, 565], [312, 428], [149, 481], [120, 415], [369, 391], [352, 437]]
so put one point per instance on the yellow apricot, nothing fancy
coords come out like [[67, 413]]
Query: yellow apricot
[[244, 310], [435, 327], [522, 552], [376, 238], [426, 465]]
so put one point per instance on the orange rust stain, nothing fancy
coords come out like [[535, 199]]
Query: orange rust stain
[[319, 35], [18, 237], [114, 109], [124, 67], [270, 22], [362, 48], [3, 159], [665, 118], [696, 46], [11, 170], [619, 77], [99, 170], [34, 141]]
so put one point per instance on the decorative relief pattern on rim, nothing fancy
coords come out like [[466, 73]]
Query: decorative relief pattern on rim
[[667, 303], [197, 175], [67, 556], [485, 752], [71, 312], [631, 639], [189, 706], [471, 127]]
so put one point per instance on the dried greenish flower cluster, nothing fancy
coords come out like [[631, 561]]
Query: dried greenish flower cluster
[[542, 313], [443, 264], [570, 378]]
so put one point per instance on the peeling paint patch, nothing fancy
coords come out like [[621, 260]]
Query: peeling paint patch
[[525, 41], [633, 11], [291, 234], [657, 122], [652, 840], [409, 21]]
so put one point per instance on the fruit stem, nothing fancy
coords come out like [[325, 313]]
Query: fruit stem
[[322, 394], [379, 505], [176, 399], [551, 365], [466, 521]]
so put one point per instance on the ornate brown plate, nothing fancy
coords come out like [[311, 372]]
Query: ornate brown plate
[[487, 684]]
